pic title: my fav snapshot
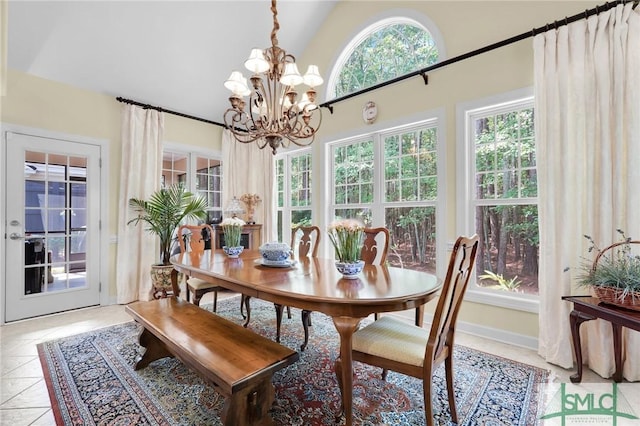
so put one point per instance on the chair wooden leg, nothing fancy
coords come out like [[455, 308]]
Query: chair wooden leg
[[188, 293], [197, 296], [428, 404], [289, 312], [247, 304], [279, 311], [242, 300], [306, 322], [375, 316], [420, 315], [448, 367], [215, 301]]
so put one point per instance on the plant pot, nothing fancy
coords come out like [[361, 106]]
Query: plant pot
[[350, 270], [616, 297], [161, 280], [233, 252]]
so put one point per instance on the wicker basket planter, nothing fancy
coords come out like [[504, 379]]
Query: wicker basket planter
[[615, 296], [614, 275]]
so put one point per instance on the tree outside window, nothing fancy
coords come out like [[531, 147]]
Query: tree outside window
[[293, 182], [505, 198], [408, 186], [386, 52]]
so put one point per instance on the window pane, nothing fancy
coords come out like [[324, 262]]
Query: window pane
[[507, 256], [300, 218], [300, 180], [413, 237], [353, 168], [386, 53], [174, 168], [363, 215]]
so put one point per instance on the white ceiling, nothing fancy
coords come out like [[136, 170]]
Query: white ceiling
[[172, 54]]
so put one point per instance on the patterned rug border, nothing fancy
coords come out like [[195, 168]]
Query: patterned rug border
[[533, 404]]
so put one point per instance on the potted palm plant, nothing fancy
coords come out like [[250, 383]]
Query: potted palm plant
[[162, 213]]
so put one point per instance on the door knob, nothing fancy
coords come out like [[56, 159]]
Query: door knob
[[16, 236]]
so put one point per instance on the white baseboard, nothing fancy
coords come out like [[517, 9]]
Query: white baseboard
[[499, 335], [482, 331]]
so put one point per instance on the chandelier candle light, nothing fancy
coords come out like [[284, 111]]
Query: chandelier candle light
[[275, 115]]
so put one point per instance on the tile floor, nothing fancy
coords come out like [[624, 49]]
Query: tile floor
[[23, 394]]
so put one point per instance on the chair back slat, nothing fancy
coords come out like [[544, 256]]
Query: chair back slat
[[455, 284], [307, 240], [374, 251]]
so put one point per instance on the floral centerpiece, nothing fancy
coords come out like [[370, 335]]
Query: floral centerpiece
[[614, 274], [346, 237], [232, 228]]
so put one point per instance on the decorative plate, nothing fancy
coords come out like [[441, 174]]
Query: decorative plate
[[276, 263]]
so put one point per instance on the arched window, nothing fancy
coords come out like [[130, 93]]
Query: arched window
[[387, 49]]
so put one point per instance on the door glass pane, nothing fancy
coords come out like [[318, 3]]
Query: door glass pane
[[55, 222]]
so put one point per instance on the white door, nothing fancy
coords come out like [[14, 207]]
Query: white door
[[52, 225]]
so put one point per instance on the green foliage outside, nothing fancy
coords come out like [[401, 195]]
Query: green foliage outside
[[501, 282], [390, 52], [506, 170]]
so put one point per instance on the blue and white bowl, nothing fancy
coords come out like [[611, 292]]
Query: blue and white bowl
[[275, 252], [350, 270], [233, 252]]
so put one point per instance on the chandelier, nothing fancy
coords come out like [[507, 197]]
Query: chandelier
[[276, 114]]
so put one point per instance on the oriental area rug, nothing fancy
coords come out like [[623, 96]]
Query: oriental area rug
[[91, 381]]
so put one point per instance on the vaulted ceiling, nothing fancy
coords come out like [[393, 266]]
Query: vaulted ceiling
[[173, 54]]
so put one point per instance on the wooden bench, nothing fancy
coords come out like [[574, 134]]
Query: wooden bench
[[239, 362]]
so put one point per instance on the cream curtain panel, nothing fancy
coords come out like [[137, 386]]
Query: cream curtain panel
[[142, 131], [4, 36], [246, 169], [587, 91]]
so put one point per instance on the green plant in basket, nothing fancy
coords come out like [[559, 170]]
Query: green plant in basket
[[346, 237], [232, 228], [614, 267]]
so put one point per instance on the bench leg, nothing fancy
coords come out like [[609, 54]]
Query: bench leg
[[154, 349], [250, 406]]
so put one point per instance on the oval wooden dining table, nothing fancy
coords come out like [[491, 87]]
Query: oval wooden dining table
[[314, 284]]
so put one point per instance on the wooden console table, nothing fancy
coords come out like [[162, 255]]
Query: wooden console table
[[587, 308]]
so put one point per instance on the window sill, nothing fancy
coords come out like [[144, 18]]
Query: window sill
[[526, 303]]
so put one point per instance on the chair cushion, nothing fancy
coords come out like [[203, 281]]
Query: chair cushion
[[198, 284], [393, 339]]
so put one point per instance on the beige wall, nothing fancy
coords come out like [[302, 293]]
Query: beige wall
[[465, 26], [38, 103]]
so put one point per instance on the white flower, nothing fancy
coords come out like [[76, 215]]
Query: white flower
[[232, 221]]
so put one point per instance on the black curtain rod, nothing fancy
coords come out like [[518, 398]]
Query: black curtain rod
[[556, 24], [168, 111]]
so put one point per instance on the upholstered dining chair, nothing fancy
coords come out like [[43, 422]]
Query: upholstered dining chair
[[305, 241], [393, 344], [192, 239], [374, 251]]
